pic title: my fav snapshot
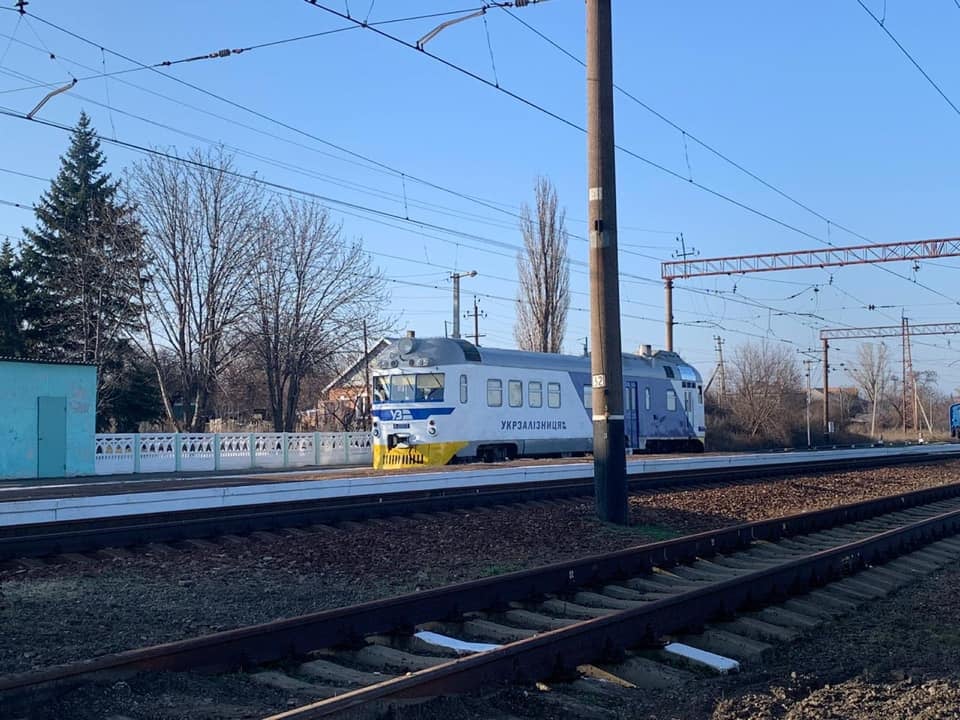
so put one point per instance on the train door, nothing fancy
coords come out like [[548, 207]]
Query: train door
[[631, 418], [688, 406]]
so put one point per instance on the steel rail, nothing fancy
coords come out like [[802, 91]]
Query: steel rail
[[40, 539], [561, 651], [244, 647]]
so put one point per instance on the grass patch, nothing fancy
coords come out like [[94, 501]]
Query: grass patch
[[499, 569], [650, 532]]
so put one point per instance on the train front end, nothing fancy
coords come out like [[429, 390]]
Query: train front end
[[413, 409]]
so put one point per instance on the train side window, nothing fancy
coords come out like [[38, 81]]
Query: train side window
[[646, 398], [553, 395], [588, 397], [515, 393], [700, 394], [463, 389], [494, 393], [535, 393], [671, 400]]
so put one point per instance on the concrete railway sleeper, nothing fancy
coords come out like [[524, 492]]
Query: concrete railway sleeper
[[612, 616]]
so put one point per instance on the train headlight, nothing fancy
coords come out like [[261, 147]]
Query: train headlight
[[432, 427], [376, 431], [432, 430]]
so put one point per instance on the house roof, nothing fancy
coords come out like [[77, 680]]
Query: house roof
[[355, 367]]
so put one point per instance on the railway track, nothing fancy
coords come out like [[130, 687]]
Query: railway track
[[590, 615], [91, 535]]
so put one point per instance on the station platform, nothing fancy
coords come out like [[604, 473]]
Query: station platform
[[44, 501]]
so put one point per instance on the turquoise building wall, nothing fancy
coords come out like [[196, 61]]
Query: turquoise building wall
[[22, 384]]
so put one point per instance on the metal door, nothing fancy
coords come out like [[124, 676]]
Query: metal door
[[631, 419], [51, 436]]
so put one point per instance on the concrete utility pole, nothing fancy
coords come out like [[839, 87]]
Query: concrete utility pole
[[606, 362], [826, 391], [682, 254], [476, 315], [456, 300], [808, 363]]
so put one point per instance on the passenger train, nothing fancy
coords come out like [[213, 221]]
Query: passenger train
[[441, 400]]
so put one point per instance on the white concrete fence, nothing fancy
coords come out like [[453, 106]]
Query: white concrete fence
[[172, 452]]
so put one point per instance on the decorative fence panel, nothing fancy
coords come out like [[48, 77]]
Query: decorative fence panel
[[120, 453]]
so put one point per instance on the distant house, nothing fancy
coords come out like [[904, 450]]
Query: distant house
[[848, 394], [48, 418], [344, 402]]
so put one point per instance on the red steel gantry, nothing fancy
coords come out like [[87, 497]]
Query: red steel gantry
[[806, 259]]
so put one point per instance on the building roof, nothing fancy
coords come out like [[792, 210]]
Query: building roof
[[44, 361], [355, 367]]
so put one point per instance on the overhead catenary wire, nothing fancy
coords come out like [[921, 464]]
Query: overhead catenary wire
[[627, 151], [343, 204], [910, 57], [280, 123], [647, 280]]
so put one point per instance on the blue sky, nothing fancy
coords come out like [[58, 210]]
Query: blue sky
[[812, 97]]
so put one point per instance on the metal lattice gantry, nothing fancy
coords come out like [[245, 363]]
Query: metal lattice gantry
[[798, 260], [908, 382], [882, 331]]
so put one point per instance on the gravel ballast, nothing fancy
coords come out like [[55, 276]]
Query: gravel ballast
[[64, 612]]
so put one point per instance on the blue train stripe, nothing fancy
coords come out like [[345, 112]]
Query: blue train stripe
[[411, 413]]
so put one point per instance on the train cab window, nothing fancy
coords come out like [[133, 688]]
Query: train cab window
[[535, 393], [669, 371], [646, 398], [494, 393], [553, 395], [515, 393], [463, 389], [671, 400], [588, 397], [402, 388], [381, 389], [429, 387]]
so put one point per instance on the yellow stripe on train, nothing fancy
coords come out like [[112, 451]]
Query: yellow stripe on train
[[425, 455]]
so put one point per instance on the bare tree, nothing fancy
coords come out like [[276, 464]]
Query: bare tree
[[765, 390], [202, 224], [872, 373], [312, 295], [544, 295]]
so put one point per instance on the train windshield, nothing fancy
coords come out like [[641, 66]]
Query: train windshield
[[424, 387]]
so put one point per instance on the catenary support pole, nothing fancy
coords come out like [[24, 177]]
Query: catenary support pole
[[668, 313], [456, 305], [606, 362], [826, 391]]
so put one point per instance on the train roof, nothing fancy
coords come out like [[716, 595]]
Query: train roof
[[431, 352]]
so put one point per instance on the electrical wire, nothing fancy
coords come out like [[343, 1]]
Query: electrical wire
[[576, 126], [287, 126], [910, 57]]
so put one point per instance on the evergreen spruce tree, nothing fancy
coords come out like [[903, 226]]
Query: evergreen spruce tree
[[12, 336], [83, 262]]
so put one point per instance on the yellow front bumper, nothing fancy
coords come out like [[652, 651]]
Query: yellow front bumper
[[426, 455]]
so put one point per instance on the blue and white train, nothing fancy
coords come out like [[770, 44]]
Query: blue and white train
[[439, 400]]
